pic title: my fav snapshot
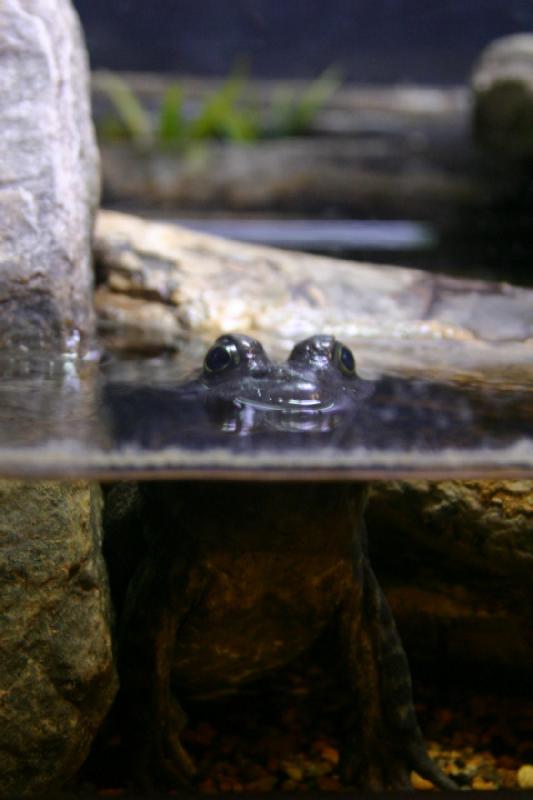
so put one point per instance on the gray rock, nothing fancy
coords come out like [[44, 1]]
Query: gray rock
[[49, 180], [56, 670], [502, 84]]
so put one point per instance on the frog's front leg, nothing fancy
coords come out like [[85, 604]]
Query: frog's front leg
[[384, 742], [161, 594]]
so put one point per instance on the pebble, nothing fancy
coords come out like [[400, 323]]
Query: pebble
[[327, 783], [329, 753], [289, 786], [524, 776], [202, 734], [480, 783], [418, 782], [267, 783], [294, 771], [207, 786], [445, 717], [229, 785], [506, 762], [317, 768], [508, 778]]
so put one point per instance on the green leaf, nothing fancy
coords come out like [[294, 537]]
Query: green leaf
[[130, 112], [293, 114], [218, 115], [171, 128]]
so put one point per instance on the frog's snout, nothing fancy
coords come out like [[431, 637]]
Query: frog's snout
[[287, 392]]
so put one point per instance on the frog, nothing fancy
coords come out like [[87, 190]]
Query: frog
[[236, 579]]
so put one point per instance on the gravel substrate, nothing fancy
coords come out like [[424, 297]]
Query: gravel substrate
[[283, 737]]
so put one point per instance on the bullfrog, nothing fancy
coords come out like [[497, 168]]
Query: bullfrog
[[238, 578]]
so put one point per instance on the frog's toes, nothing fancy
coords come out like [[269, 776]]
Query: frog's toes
[[165, 763], [160, 759], [180, 757], [427, 768], [172, 774], [377, 777], [175, 721], [385, 766], [375, 771]]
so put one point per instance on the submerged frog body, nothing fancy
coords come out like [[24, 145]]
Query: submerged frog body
[[240, 578]]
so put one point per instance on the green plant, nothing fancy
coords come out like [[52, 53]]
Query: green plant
[[222, 118], [223, 114], [171, 122], [293, 113], [132, 121]]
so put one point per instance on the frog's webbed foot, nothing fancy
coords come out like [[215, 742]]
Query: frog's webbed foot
[[373, 767], [160, 595], [386, 761], [384, 743], [160, 759]]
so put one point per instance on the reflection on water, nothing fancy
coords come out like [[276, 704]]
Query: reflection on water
[[320, 235], [44, 399], [61, 418]]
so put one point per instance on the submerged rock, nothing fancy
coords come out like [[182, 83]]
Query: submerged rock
[[484, 525], [49, 180], [57, 674], [456, 560]]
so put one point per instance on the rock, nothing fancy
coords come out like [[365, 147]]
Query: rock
[[169, 281], [483, 525], [56, 668], [502, 84], [49, 182], [417, 782], [525, 776], [456, 560]]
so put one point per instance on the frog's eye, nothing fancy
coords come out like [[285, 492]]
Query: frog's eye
[[343, 358], [220, 357]]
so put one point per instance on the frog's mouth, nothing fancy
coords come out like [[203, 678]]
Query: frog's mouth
[[294, 406], [286, 397], [283, 399]]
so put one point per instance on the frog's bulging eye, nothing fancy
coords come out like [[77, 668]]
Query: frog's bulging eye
[[343, 358], [220, 357]]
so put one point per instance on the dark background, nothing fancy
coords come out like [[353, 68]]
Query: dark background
[[427, 41]]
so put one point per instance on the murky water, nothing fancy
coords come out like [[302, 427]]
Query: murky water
[[124, 418]]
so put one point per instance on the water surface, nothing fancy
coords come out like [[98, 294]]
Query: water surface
[[110, 417]]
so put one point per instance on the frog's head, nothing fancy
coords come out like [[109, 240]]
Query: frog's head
[[310, 391]]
